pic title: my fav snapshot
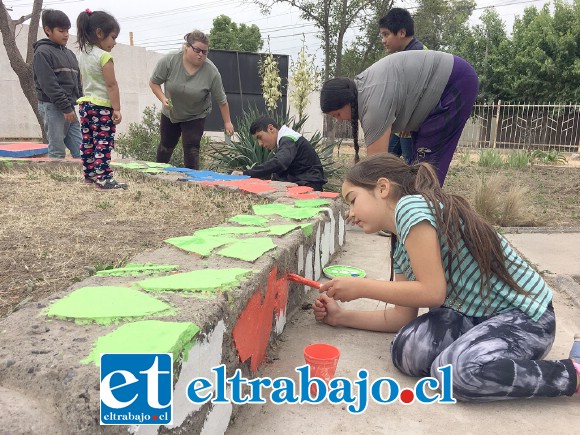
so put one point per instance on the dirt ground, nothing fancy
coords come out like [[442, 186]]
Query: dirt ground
[[56, 230]]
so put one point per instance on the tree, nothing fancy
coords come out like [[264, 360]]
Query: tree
[[227, 35], [332, 18], [438, 21], [367, 47], [545, 59], [22, 67]]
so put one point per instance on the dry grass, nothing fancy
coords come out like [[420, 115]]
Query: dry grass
[[503, 203], [55, 228], [534, 196]]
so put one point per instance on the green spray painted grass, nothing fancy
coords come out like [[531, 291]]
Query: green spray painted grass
[[106, 305], [134, 269], [148, 336], [217, 231], [286, 211], [248, 249], [311, 202], [206, 280], [249, 219], [200, 245]]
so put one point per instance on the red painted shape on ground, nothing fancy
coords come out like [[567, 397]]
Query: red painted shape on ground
[[252, 331], [329, 194], [313, 195], [300, 189], [20, 146], [256, 188]]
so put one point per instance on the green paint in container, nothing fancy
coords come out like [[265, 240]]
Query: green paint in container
[[342, 270]]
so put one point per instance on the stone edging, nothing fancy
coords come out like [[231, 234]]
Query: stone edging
[[47, 390]]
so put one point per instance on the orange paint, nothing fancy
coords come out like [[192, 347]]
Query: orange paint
[[252, 331]]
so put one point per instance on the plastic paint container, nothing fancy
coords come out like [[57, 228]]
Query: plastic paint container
[[341, 270]]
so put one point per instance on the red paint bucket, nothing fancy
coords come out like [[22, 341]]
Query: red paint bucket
[[322, 359]]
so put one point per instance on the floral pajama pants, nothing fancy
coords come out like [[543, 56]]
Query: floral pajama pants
[[98, 132]]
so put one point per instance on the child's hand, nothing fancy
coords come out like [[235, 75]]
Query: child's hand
[[167, 104], [70, 116], [327, 310], [342, 289], [117, 117], [237, 173]]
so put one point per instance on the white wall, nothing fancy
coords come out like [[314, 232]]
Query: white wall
[[133, 67]]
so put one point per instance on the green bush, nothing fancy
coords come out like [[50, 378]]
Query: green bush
[[490, 158], [244, 152]]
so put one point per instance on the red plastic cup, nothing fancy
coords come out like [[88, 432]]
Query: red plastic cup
[[322, 359]]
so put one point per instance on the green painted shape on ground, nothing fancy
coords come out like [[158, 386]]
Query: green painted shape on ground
[[286, 211], [280, 230], [205, 280], [148, 336], [153, 170], [157, 165], [249, 219], [106, 305], [134, 269], [311, 202], [200, 245], [307, 229], [216, 231], [248, 249], [130, 165]]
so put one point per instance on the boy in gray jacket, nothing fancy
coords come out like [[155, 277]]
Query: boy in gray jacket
[[58, 85]]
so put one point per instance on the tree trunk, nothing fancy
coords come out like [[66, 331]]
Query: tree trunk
[[22, 68]]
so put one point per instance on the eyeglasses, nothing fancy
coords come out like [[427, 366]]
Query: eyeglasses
[[199, 50]]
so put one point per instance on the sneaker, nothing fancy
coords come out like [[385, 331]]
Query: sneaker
[[384, 233], [109, 184]]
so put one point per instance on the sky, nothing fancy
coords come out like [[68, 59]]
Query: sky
[[160, 25]]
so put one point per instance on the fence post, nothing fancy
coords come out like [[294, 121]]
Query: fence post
[[496, 124]]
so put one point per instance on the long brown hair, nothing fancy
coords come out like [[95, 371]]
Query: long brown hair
[[456, 220]]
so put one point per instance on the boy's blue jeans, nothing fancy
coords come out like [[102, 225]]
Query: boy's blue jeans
[[401, 146], [60, 133]]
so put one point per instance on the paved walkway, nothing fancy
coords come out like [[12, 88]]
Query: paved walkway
[[361, 349]]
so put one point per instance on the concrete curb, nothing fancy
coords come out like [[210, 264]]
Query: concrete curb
[[40, 367]]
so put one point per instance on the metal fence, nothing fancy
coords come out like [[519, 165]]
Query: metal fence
[[515, 126], [523, 127]]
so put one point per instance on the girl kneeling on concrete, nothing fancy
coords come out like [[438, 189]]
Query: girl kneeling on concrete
[[490, 313]]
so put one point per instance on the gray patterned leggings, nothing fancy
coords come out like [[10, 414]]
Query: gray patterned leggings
[[496, 358]]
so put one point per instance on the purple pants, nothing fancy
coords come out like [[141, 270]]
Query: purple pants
[[438, 135]]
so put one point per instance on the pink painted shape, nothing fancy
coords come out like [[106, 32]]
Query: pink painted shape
[[329, 195], [300, 189], [251, 333], [21, 146], [313, 195]]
